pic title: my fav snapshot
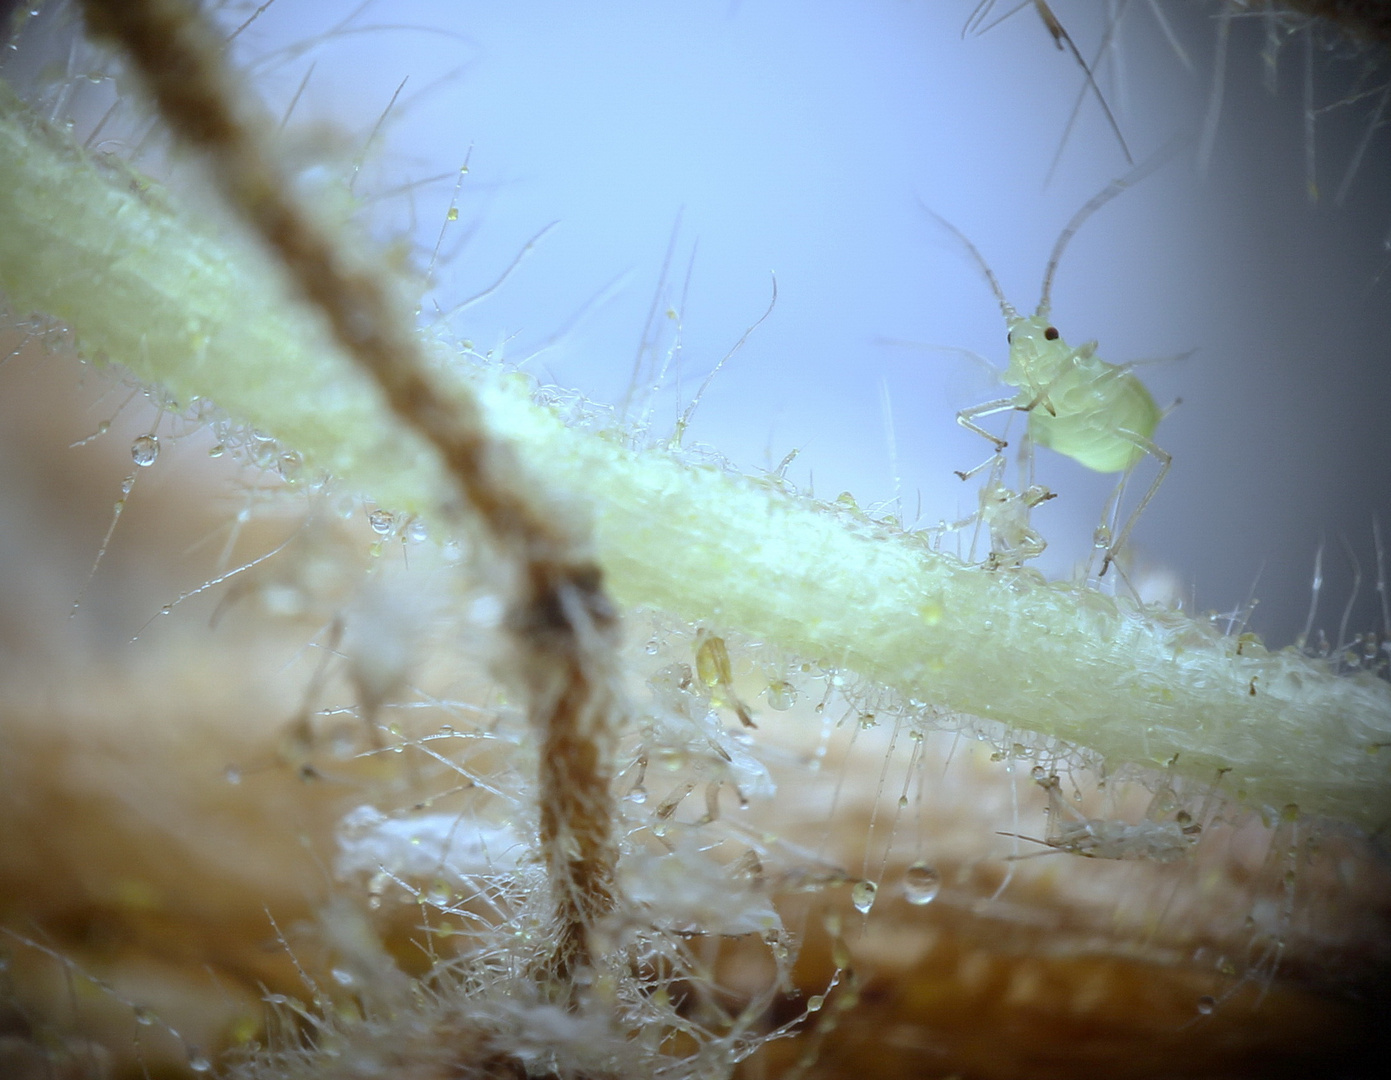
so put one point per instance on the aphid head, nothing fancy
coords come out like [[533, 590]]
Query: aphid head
[[1034, 345]]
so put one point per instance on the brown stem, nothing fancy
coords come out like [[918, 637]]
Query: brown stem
[[564, 628]]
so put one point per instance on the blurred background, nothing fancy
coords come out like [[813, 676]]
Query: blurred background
[[672, 157], [686, 152]]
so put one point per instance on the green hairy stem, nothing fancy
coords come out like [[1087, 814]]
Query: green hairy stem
[[181, 302]]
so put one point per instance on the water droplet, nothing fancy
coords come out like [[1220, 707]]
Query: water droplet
[[217, 451], [669, 758], [867, 721], [903, 802], [375, 887], [815, 1002], [862, 895], [416, 531], [381, 521], [453, 214], [638, 795], [232, 774], [1206, 1004], [143, 1016], [781, 695], [439, 893], [921, 884], [343, 977], [1038, 772], [263, 455], [290, 466], [652, 646], [197, 1061]]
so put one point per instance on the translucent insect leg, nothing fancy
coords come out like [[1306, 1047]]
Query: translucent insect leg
[[1165, 459], [966, 418]]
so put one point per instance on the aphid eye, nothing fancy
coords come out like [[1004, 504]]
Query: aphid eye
[[1051, 333]]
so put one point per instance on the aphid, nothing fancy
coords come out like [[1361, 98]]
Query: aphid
[[713, 667], [1013, 541], [1101, 838], [1096, 413], [1004, 515]]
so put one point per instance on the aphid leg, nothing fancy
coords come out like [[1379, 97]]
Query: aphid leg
[[1165, 459], [966, 417]]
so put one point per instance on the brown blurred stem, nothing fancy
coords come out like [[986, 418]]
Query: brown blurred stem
[[564, 628]]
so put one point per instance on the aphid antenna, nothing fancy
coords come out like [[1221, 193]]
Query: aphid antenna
[[1092, 205], [1005, 306]]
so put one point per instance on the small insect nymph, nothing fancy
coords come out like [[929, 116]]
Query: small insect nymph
[[1096, 413], [1100, 838]]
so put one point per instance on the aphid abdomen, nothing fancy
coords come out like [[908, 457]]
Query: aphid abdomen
[[1089, 416]]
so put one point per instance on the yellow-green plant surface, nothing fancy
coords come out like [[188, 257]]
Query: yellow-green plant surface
[[178, 300]]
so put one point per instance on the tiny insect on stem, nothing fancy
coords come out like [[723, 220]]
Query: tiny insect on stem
[[1097, 413]]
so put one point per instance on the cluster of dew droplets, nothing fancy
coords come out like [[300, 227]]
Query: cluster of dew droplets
[[262, 451]]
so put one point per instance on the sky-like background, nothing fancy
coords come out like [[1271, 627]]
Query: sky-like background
[[802, 139]]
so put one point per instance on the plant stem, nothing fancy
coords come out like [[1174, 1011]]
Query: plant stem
[[159, 291], [562, 624]]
